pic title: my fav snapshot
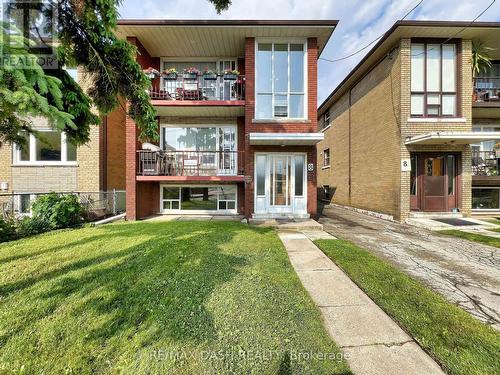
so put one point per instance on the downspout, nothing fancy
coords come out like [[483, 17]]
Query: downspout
[[350, 147]]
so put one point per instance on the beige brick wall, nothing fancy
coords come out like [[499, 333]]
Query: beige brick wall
[[44, 179], [5, 163], [337, 140], [88, 163], [374, 138], [380, 112], [84, 177]]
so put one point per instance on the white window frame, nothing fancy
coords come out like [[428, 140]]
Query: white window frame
[[17, 202], [325, 164], [306, 82], [180, 210], [326, 119], [267, 184], [217, 141], [32, 148]]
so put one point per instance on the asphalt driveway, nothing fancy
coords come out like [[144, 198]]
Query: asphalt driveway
[[466, 273]]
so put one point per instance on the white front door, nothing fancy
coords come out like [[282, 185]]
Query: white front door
[[280, 184]]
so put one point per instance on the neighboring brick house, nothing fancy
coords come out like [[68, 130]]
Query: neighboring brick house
[[237, 107], [399, 128], [54, 165]]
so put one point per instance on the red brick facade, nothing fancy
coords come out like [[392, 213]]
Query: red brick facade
[[308, 126], [143, 198]]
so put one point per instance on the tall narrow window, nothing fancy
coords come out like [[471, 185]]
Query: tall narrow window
[[433, 80], [261, 174], [280, 80], [451, 174], [326, 157], [299, 175], [413, 176]]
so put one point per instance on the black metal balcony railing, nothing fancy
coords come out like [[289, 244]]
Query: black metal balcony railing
[[184, 87], [189, 163], [487, 89], [485, 163]]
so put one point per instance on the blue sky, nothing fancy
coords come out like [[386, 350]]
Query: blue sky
[[361, 21]]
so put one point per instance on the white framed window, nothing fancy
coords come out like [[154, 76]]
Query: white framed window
[[199, 198], [280, 80], [326, 157], [433, 80], [50, 148], [326, 119]]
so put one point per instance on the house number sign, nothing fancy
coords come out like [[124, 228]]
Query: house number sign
[[310, 167], [405, 165]]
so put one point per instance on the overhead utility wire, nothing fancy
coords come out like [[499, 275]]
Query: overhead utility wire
[[373, 41]]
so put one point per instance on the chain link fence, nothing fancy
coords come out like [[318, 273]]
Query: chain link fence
[[97, 204]]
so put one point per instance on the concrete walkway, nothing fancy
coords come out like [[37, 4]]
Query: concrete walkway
[[370, 340]]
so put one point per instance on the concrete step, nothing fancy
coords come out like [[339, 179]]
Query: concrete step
[[435, 215], [294, 224]]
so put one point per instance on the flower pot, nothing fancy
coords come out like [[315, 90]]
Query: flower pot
[[170, 76], [190, 75], [210, 77], [230, 77]]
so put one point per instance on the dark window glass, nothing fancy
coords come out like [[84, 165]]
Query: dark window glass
[[199, 198], [413, 176], [48, 146], [486, 199], [299, 175], [451, 174]]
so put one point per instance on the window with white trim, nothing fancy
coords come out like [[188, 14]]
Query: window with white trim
[[49, 147], [326, 119], [326, 157], [280, 80], [433, 80]]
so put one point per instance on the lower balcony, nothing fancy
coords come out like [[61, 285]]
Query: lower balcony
[[485, 163], [190, 165]]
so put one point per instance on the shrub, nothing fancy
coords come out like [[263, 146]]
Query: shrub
[[57, 211], [29, 226], [7, 230]]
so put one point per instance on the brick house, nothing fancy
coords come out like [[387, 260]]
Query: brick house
[[403, 129], [237, 117], [55, 165]]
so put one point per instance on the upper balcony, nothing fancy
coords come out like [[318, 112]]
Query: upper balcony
[[486, 98], [199, 87], [487, 90]]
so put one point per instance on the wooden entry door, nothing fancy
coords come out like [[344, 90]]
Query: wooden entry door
[[437, 182], [434, 183]]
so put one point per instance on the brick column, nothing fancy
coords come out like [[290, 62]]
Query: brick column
[[130, 169], [249, 115], [312, 109]]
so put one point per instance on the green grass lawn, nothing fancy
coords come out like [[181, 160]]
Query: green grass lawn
[[157, 297], [487, 240], [459, 342]]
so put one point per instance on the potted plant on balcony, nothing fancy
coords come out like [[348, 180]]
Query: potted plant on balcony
[[209, 75], [151, 73], [497, 150], [481, 62], [170, 74], [231, 74], [190, 73]]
